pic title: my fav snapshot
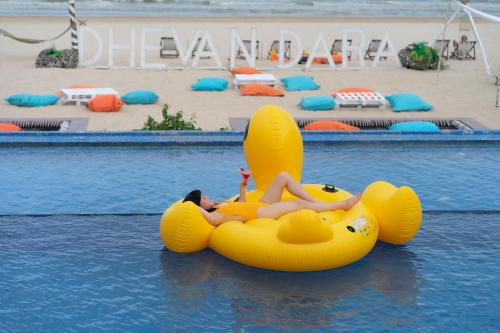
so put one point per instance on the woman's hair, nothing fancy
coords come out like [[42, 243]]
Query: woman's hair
[[195, 197]]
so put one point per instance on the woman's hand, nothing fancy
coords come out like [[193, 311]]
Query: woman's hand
[[245, 174], [244, 184]]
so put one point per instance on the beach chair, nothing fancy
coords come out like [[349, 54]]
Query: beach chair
[[337, 47], [267, 79], [372, 49], [275, 48], [442, 47], [196, 46], [360, 100], [168, 49], [464, 50], [84, 95], [248, 43]]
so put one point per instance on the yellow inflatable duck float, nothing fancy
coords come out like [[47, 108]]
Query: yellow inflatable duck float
[[303, 240]]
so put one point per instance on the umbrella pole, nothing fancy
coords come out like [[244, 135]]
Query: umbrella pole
[[72, 24]]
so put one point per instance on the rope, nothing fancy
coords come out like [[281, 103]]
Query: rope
[[31, 40]]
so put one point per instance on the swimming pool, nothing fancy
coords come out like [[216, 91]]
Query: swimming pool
[[89, 257]]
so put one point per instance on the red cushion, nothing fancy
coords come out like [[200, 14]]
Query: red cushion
[[329, 125], [105, 103]]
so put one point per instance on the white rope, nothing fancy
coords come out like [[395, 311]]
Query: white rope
[[30, 40]]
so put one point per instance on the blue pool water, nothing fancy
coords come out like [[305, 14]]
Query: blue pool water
[[108, 273], [89, 258], [90, 180]]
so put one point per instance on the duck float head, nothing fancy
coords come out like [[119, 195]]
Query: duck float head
[[303, 240]]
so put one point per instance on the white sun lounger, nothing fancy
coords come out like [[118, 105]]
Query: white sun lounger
[[84, 95], [267, 79], [360, 100]]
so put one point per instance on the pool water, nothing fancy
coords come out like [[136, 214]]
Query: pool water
[[90, 180], [80, 247], [108, 273]]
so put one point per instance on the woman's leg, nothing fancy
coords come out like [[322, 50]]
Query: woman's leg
[[275, 210], [281, 181]]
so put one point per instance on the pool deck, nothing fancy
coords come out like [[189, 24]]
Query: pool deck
[[163, 138]]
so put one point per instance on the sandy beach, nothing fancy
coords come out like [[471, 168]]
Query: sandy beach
[[461, 91]]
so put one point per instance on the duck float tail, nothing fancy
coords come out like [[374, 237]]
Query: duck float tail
[[398, 211]]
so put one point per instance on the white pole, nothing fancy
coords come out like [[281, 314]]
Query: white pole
[[443, 36], [443, 32], [72, 24], [498, 90], [483, 51]]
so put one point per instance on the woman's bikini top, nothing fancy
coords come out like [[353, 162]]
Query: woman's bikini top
[[246, 209]]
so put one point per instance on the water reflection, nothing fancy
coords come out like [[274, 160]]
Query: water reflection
[[291, 300]]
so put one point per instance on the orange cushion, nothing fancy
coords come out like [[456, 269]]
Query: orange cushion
[[105, 103], [329, 125], [320, 60], [260, 90], [337, 58], [245, 70], [76, 86], [352, 89], [6, 127]]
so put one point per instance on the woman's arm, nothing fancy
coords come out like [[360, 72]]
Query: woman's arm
[[216, 218], [243, 191]]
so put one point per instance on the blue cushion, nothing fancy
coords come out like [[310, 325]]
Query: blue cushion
[[32, 100], [140, 97], [299, 82], [408, 102], [317, 103], [210, 84], [414, 126]]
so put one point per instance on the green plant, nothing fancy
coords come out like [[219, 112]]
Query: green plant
[[170, 122], [53, 52], [423, 53]]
